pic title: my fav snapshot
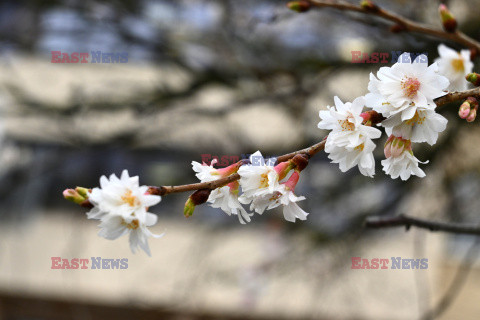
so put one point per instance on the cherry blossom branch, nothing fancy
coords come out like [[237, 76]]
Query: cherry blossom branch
[[408, 221], [403, 23], [163, 190], [310, 151]]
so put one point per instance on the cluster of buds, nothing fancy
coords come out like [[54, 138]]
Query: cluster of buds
[[468, 109], [448, 20]]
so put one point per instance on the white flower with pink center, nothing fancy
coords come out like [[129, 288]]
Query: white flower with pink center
[[405, 86], [455, 66]]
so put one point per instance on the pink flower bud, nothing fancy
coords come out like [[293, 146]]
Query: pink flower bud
[[464, 110], [291, 183], [282, 169], [472, 115], [448, 20], [395, 146], [388, 146], [225, 172]]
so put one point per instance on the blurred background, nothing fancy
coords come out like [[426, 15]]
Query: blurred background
[[224, 78]]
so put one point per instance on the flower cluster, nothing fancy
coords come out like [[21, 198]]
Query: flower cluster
[[263, 186], [404, 96], [122, 205], [350, 141]]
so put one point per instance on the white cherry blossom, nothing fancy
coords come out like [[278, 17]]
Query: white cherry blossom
[[405, 86], [122, 207], [346, 123], [348, 157], [424, 126], [455, 66]]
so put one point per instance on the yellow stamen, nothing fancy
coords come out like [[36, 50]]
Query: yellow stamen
[[360, 147], [458, 65], [346, 124], [264, 181], [129, 198], [416, 119], [132, 225]]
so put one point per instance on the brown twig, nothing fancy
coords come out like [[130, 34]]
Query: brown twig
[[455, 96], [408, 221], [163, 190], [406, 24]]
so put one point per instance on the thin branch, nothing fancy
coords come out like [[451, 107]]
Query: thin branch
[[163, 190], [455, 96], [408, 221], [406, 24]]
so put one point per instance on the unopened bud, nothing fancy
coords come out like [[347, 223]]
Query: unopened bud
[[283, 168], [472, 115], [291, 183], [369, 6], [397, 28], [473, 78], [464, 110], [300, 161], [189, 208], [448, 20], [395, 146], [371, 117], [195, 199], [74, 196], [299, 6], [233, 168], [83, 191]]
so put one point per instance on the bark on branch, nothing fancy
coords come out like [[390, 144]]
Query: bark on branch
[[408, 222], [406, 24]]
